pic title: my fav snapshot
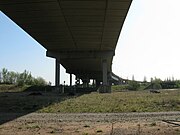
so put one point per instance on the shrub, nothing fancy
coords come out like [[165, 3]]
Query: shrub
[[157, 86], [39, 81], [133, 85]]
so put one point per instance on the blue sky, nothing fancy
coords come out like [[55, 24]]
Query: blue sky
[[18, 51], [148, 44]]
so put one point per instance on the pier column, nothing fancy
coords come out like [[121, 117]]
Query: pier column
[[105, 88], [70, 79], [57, 73], [104, 66]]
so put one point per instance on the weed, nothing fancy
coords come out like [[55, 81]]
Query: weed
[[99, 131], [33, 126], [139, 129], [153, 124], [112, 129], [52, 132], [86, 126]]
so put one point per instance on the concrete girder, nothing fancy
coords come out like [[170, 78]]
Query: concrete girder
[[80, 54]]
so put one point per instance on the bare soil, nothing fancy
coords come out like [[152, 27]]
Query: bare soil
[[91, 124], [17, 117]]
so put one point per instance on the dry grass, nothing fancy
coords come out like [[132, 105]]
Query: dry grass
[[134, 101], [17, 100]]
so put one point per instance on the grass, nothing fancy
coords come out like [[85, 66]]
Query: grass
[[11, 88], [31, 125], [127, 101], [133, 101]]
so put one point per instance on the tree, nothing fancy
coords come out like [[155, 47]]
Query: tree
[[12, 77], [20, 79], [39, 81], [0, 77], [4, 75], [145, 79], [25, 78], [157, 86], [29, 79], [178, 84], [133, 78], [152, 79], [156, 83]]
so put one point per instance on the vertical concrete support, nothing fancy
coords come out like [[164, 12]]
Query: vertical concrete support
[[77, 81], [57, 73], [72, 90], [97, 83], [104, 66], [71, 80], [93, 83], [106, 88], [86, 82]]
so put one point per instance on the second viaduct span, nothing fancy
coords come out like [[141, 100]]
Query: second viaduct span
[[80, 34]]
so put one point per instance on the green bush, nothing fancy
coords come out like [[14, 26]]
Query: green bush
[[119, 87], [133, 85], [156, 83], [157, 86], [39, 81]]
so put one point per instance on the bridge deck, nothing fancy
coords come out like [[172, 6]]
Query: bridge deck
[[89, 27]]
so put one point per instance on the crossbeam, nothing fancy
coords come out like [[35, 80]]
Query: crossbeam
[[80, 54]]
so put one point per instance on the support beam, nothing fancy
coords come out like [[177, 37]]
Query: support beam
[[86, 82], [106, 88], [77, 81], [72, 89], [57, 73], [104, 66], [70, 79], [97, 83], [80, 54], [93, 84]]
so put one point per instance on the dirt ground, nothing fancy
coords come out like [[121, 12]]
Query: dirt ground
[[31, 127], [18, 116]]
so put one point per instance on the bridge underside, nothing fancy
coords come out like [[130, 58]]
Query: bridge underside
[[80, 34]]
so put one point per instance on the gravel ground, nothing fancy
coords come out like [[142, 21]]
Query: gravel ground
[[93, 117], [89, 123]]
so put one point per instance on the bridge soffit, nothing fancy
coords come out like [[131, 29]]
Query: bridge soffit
[[81, 54]]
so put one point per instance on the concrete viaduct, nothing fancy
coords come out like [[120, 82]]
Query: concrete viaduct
[[80, 34]]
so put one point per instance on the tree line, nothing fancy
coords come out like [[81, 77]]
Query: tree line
[[20, 79], [154, 84]]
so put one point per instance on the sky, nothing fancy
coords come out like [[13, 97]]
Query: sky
[[149, 45]]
